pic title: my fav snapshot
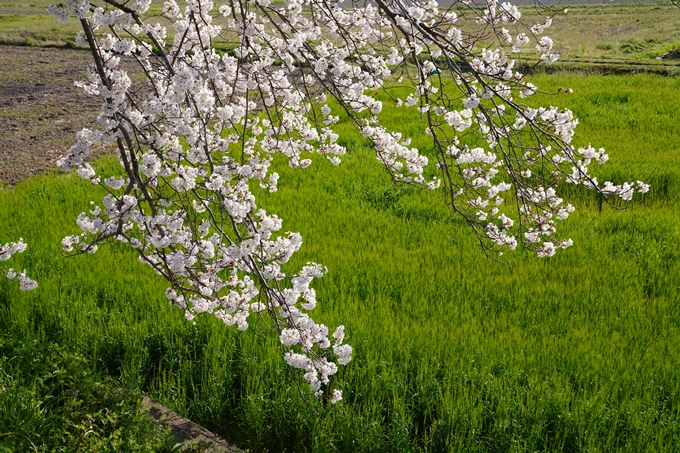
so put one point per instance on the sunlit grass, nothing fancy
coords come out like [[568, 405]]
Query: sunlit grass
[[453, 351]]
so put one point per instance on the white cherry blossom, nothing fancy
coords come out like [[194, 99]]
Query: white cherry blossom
[[196, 134]]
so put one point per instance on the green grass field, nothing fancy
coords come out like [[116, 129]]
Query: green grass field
[[453, 351]]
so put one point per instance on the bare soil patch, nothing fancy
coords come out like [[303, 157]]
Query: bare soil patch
[[40, 108]]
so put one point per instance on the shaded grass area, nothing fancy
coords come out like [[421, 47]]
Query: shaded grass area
[[453, 351], [52, 401]]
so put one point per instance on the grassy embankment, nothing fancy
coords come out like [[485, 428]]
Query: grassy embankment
[[453, 351]]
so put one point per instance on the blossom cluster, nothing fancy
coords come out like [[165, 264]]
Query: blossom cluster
[[6, 252], [197, 138], [465, 96]]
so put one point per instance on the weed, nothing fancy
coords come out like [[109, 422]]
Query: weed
[[51, 401]]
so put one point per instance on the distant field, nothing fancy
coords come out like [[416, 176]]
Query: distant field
[[626, 32], [602, 33], [454, 351]]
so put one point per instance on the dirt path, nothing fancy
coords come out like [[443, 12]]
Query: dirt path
[[40, 108]]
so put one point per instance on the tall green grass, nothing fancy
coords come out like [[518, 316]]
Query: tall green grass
[[453, 351]]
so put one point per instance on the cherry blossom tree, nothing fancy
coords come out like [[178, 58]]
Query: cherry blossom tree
[[196, 130]]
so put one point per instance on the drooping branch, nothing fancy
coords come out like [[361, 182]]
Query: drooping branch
[[198, 136]]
